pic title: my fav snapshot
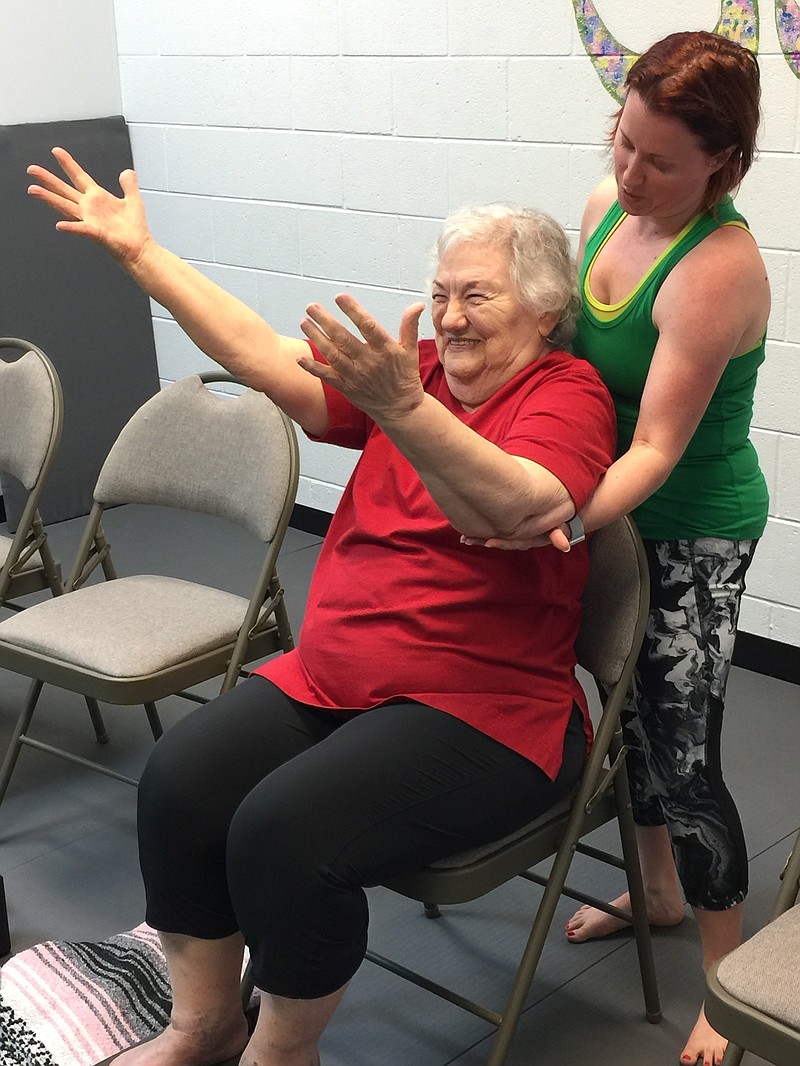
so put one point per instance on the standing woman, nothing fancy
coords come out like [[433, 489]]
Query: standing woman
[[675, 305]]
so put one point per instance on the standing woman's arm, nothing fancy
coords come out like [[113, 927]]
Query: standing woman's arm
[[713, 307]]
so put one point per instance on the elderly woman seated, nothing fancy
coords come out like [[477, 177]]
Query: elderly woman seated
[[431, 705]]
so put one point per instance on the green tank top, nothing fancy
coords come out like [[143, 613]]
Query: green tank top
[[717, 488]]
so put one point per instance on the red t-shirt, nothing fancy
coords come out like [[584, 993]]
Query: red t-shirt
[[399, 608]]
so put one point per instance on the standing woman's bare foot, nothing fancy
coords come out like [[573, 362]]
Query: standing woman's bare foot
[[704, 1044], [589, 923]]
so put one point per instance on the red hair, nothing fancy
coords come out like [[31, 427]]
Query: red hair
[[713, 86]]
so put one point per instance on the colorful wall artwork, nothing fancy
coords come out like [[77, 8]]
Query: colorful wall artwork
[[611, 59], [738, 20], [787, 21]]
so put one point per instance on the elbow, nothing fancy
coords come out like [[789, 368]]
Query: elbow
[[479, 529], [484, 526], [510, 528], [659, 462]]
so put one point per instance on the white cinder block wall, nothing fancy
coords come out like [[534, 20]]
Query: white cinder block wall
[[295, 150], [57, 68]]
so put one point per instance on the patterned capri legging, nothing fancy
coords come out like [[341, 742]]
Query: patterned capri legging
[[673, 721]]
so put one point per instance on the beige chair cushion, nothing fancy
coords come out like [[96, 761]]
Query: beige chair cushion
[[464, 858], [27, 411], [129, 627], [188, 447], [764, 972]]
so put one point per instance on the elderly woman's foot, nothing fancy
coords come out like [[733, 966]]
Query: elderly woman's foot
[[299, 1058], [589, 923], [204, 1046], [704, 1045]]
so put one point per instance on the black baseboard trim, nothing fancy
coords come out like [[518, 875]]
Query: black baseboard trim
[[310, 520], [758, 654], [769, 657]]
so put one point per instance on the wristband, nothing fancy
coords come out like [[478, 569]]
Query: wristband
[[576, 531]]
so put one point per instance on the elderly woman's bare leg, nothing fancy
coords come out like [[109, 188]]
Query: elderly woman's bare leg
[[288, 1030], [207, 1024]]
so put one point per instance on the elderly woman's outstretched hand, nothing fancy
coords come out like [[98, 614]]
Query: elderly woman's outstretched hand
[[379, 374], [117, 223]]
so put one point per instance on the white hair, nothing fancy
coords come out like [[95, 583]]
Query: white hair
[[541, 263]]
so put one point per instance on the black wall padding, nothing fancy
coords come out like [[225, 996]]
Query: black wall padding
[[67, 296]]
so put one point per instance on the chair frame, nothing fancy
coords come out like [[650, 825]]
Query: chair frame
[[30, 536], [257, 637], [603, 795], [16, 578], [5, 932], [748, 1028]]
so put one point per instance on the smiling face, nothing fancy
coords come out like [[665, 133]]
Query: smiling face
[[660, 166], [484, 334]]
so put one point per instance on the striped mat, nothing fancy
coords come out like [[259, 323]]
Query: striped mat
[[74, 1004]]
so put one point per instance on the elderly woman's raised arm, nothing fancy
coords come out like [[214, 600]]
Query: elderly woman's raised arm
[[484, 491], [225, 329]]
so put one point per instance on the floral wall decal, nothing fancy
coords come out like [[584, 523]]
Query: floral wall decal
[[738, 20], [787, 21]]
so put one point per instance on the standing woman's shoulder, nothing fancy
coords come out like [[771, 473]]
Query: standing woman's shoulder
[[600, 199]]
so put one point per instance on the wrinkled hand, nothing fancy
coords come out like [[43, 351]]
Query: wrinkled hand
[[379, 374], [117, 223]]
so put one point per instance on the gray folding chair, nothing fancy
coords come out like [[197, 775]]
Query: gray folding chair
[[753, 994], [615, 606], [31, 414], [137, 639]]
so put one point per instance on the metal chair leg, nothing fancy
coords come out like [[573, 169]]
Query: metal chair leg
[[156, 727], [733, 1055], [641, 926], [100, 731], [5, 933], [529, 961], [14, 745]]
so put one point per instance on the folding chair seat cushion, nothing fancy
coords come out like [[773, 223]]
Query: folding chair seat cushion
[[34, 563], [129, 627], [465, 858], [764, 973]]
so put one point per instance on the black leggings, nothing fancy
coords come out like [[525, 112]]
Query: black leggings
[[260, 814]]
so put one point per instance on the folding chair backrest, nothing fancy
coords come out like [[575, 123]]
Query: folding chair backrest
[[186, 447], [30, 413], [614, 602]]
